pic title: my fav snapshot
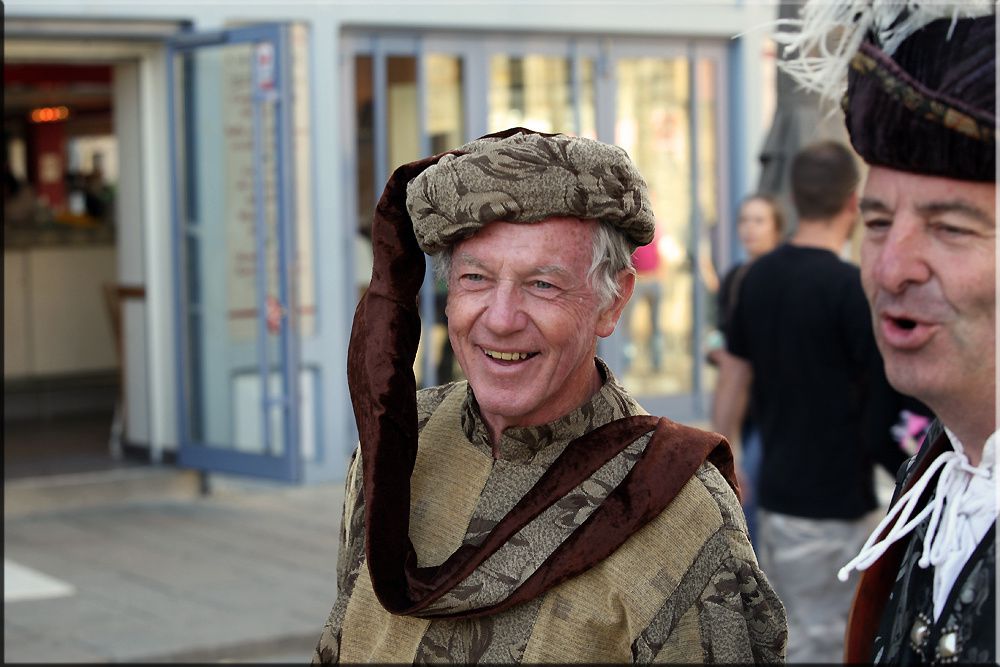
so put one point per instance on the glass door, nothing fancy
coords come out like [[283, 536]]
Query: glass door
[[233, 245]]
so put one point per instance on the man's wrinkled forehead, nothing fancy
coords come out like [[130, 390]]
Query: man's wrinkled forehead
[[558, 246], [889, 191]]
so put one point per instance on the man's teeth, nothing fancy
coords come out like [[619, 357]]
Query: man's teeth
[[506, 356]]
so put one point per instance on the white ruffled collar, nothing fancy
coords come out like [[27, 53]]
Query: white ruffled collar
[[962, 510]]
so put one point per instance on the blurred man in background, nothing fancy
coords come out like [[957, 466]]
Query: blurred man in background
[[802, 343], [760, 227]]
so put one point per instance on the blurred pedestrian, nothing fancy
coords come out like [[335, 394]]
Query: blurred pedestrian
[[533, 513], [802, 345], [760, 226], [646, 261], [920, 109]]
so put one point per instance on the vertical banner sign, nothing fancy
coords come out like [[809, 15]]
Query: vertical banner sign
[[237, 109], [249, 77]]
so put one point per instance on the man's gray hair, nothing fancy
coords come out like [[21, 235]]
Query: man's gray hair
[[612, 253]]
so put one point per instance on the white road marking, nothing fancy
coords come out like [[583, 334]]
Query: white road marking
[[22, 583]]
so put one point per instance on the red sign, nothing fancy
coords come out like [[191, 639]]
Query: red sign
[[264, 69]]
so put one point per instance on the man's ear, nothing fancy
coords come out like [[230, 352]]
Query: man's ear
[[852, 204], [850, 214], [608, 319]]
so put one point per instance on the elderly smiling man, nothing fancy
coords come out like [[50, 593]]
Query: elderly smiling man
[[535, 512]]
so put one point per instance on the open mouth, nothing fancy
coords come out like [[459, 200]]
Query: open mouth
[[906, 333], [508, 356]]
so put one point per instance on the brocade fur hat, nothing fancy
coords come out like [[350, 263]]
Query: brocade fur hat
[[920, 80], [520, 176]]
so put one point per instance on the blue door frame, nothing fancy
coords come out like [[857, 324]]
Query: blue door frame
[[274, 315]]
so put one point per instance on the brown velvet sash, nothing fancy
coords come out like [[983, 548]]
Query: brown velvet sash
[[875, 583], [382, 350]]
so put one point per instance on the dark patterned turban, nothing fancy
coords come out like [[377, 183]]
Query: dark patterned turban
[[928, 108], [527, 177]]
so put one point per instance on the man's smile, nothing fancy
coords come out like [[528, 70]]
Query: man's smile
[[496, 355]]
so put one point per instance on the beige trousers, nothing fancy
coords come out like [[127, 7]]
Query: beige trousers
[[801, 558]]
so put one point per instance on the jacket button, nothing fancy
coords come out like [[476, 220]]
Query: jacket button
[[919, 632], [948, 644]]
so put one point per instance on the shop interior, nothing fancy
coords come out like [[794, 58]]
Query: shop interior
[[62, 399]]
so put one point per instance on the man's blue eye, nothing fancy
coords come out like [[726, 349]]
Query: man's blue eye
[[541, 284]]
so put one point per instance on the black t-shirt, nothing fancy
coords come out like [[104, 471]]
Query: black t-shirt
[[819, 396]]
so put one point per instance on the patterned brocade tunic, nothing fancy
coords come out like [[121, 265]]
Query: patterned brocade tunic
[[684, 588]]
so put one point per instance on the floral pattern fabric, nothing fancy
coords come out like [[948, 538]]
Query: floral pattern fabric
[[526, 178], [684, 588]]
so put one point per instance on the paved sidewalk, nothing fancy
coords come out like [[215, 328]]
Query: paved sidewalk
[[246, 574]]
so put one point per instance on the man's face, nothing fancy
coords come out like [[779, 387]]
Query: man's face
[[928, 266], [523, 320]]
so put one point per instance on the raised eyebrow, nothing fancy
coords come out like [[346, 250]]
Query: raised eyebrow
[[551, 270], [547, 269], [959, 207], [468, 259], [872, 205]]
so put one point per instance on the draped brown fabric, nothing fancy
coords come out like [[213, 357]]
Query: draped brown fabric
[[382, 350], [876, 582]]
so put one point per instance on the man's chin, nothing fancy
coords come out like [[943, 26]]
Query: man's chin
[[503, 405], [907, 379]]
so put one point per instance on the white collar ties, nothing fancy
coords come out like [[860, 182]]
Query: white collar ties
[[962, 510]]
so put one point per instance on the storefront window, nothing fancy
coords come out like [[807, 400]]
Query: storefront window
[[653, 126], [444, 116], [536, 92], [710, 241], [445, 110], [401, 111], [364, 146], [446, 130]]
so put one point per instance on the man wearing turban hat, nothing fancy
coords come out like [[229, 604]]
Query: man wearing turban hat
[[533, 512]]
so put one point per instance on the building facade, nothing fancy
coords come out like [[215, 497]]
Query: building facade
[[246, 145]]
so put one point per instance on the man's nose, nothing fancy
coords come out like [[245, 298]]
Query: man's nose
[[504, 313], [902, 259]]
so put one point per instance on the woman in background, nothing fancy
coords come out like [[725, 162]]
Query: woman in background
[[760, 227]]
